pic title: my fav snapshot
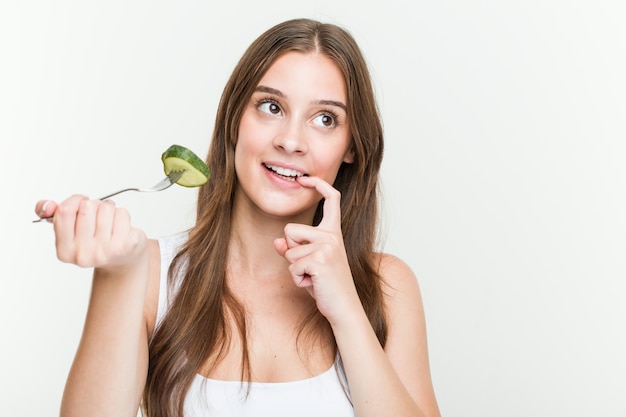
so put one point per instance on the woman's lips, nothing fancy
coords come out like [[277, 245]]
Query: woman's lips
[[288, 174]]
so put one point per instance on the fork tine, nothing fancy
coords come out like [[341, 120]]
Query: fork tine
[[175, 175], [167, 181]]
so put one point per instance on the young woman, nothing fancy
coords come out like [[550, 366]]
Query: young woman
[[275, 303]]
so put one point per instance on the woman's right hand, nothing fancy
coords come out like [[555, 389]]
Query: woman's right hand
[[110, 367], [93, 233]]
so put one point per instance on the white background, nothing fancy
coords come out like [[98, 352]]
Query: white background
[[504, 176]]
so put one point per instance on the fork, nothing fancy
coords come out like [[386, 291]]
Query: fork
[[161, 185]]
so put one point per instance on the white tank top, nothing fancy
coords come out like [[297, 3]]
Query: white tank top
[[321, 395]]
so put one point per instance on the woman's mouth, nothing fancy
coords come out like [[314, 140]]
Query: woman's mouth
[[285, 173]]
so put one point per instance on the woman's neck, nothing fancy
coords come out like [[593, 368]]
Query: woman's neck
[[256, 274], [251, 246]]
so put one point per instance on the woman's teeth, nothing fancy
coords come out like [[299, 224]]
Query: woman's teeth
[[289, 174]]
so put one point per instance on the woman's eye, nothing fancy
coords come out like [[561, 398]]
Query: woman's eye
[[269, 107], [325, 120]]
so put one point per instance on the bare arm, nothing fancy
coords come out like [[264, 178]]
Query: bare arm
[[109, 370], [396, 381]]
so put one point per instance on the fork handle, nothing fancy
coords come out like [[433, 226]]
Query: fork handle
[[117, 192], [101, 199]]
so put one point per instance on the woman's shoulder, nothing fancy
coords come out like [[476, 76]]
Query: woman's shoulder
[[162, 252], [170, 244], [399, 281], [393, 269]]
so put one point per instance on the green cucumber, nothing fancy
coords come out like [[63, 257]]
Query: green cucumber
[[196, 172]]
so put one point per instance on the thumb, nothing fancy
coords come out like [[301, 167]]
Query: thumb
[[280, 244], [45, 208]]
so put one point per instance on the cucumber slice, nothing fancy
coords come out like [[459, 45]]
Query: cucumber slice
[[178, 157]]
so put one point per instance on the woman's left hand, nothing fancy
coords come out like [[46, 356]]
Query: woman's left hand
[[318, 259]]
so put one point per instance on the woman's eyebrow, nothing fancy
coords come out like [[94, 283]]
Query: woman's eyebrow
[[269, 90], [278, 93], [332, 103]]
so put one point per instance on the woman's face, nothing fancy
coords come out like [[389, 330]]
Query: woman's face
[[294, 124]]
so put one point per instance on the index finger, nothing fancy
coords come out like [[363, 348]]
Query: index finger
[[331, 218]]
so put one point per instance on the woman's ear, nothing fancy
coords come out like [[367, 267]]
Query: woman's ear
[[348, 158]]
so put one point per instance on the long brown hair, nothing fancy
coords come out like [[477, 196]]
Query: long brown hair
[[195, 327]]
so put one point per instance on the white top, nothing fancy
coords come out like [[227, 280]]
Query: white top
[[321, 395]]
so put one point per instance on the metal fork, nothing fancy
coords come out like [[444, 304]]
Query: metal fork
[[161, 185]]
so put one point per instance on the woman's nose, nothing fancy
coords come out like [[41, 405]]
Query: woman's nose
[[291, 138]]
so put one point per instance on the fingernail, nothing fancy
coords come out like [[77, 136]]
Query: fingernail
[[42, 211]]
